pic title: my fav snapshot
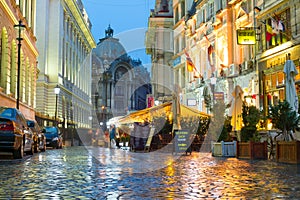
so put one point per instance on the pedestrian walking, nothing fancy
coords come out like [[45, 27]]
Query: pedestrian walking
[[112, 136]]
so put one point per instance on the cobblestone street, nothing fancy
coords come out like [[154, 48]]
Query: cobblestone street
[[102, 173]]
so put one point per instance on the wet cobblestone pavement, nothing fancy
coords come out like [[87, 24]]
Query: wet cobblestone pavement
[[101, 173]]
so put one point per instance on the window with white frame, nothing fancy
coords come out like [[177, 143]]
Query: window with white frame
[[182, 41], [203, 16]]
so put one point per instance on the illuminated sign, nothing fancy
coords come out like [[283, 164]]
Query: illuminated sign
[[246, 36], [182, 140]]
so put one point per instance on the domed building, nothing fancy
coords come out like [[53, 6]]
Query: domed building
[[119, 83]]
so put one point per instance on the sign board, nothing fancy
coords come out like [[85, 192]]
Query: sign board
[[177, 61], [219, 95], [182, 141], [246, 36], [191, 102], [150, 101]]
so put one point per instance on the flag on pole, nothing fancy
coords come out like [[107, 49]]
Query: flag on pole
[[189, 63]]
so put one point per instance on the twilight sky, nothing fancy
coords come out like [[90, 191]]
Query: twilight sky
[[128, 19]]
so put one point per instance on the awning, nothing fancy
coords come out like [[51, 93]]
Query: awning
[[160, 110]]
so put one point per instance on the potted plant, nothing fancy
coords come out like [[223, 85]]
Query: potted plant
[[285, 119], [250, 146]]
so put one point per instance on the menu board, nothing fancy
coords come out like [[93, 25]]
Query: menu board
[[182, 140]]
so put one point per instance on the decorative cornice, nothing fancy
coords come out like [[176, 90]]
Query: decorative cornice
[[81, 23]]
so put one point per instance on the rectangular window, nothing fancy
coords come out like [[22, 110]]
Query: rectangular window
[[210, 11], [182, 9], [176, 14], [199, 18], [183, 77], [219, 5], [176, 45], [182, 42], [278, 29]]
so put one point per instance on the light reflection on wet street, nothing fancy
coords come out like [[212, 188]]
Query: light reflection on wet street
[[100, 173]]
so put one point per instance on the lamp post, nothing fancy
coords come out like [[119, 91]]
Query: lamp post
[[56, 91], [19, 27], [103, 118]]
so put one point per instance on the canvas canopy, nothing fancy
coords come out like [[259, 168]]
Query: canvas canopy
[[164, 109]]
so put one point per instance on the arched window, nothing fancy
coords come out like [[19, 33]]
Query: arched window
[[13, 73], [4, 59], [120, 72]]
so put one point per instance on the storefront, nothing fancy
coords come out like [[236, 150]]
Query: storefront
[[273, 76]]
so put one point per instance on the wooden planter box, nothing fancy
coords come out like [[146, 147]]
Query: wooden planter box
[[288, 152], [227, 149], [252, 150]]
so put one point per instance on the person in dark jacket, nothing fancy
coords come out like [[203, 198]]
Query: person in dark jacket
[[112, 136]]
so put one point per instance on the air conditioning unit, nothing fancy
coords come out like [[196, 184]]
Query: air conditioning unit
[[225, 72], [233, 69], [247, 65]]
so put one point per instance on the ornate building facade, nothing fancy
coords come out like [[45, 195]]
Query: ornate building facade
[[11, 12], [159, 44], [120, 84], [65, 43], [212, 34]]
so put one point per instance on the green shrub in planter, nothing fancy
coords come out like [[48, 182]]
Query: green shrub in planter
[[283, 118], [251, 116]]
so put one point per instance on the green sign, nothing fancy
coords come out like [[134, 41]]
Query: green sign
[[182, 140], [246, 36]]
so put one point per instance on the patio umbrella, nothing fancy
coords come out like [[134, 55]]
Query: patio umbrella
[[235, 111], [290, 89]]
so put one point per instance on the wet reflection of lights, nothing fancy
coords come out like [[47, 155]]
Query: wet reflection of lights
[[169, 170]]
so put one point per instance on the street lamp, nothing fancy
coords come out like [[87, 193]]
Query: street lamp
[[103, 117], [56, 91], [19, 27]]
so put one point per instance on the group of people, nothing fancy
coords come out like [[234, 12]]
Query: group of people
[[111, 137]]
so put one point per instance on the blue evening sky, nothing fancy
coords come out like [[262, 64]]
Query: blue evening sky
[[128, 19]]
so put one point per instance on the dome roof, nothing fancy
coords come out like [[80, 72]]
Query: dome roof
[[109, 48]]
